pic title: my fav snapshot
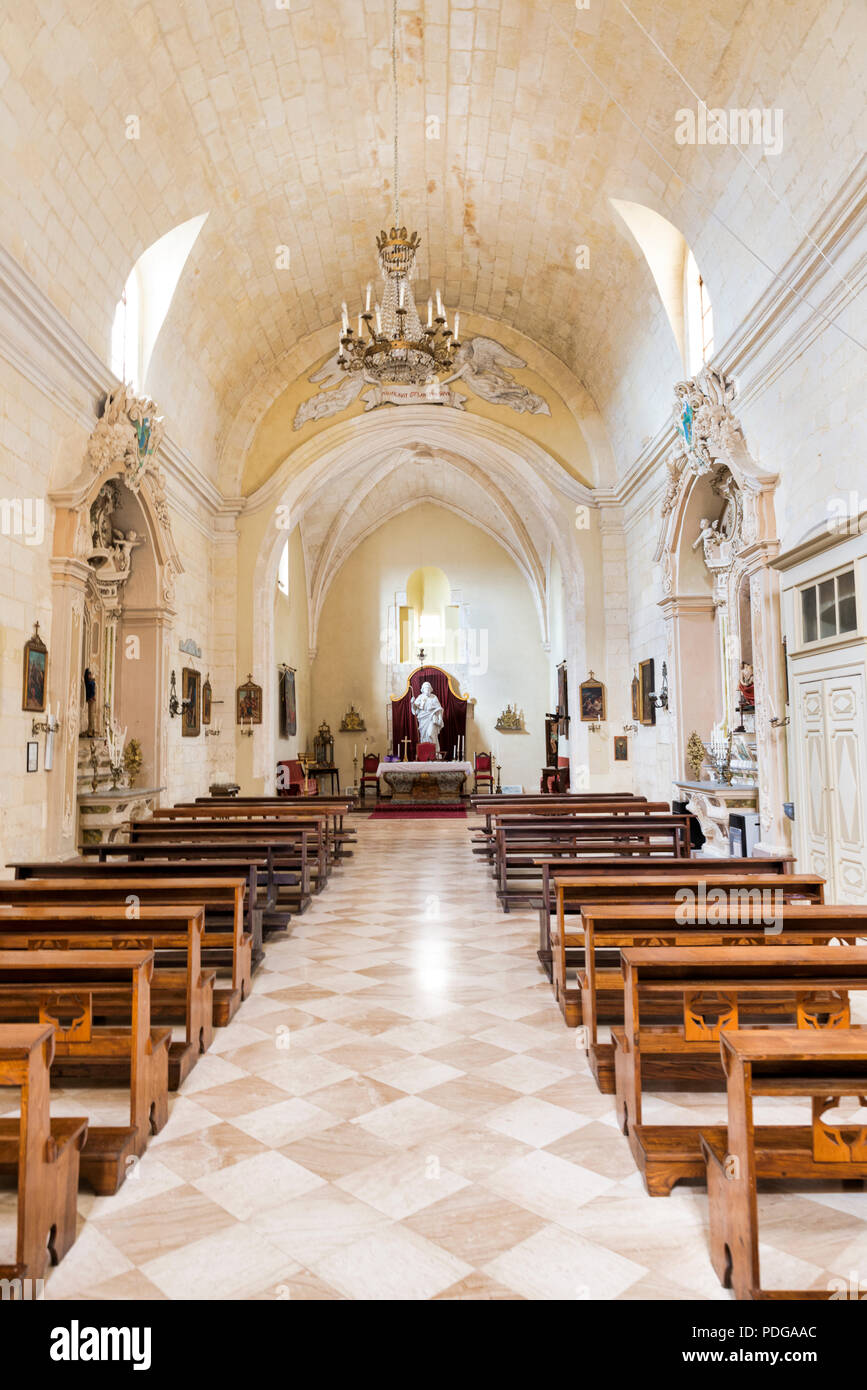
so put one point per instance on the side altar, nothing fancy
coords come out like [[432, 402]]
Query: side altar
[[425, 781]]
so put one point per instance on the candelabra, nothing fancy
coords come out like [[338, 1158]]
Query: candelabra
[[355, 770], [630, 728], [498, 789], [247, 729], [46, 726], [213, 733], [176, 706], [719, 752]]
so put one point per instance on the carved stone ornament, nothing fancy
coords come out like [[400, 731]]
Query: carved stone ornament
[[129, 431]]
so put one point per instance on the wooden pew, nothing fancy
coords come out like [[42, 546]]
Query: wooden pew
[[661, 882], [822, 1067], [185, 993], [712, 989], [519, 846], [41, 1152], [225, 943], [64, 988], [548, 806], [661, 924], [280, 807], [654, 866], [256, 870], [301, 843]]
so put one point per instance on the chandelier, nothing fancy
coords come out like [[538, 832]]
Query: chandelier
[[392, 344]]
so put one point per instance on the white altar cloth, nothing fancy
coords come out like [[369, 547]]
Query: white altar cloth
[[465, 768]]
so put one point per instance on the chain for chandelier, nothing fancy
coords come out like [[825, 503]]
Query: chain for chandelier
[[391, 344]]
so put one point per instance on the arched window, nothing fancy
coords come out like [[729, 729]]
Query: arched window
[[146, 299], [283, 571], [699, 316]]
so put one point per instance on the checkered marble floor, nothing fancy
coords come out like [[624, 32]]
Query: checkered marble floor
[[399, 1112]]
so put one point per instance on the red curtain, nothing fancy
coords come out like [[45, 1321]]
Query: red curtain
[[404, 724]]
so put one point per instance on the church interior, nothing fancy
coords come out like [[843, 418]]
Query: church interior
[[433, 682]]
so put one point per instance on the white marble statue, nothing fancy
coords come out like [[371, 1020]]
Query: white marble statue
[[429, 713]]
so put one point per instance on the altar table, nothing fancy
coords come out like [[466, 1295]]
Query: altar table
[[425, 781]]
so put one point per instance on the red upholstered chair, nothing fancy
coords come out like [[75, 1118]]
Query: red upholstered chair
[[483, 775], [296, 781], [563, 775], [425, 752], [369, 764]]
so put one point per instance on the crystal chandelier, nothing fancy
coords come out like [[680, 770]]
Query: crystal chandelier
[[391, 343]]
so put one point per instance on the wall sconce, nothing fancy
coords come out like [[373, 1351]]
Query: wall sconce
[[594, 728], [777, 723], [660, 701], [176, 706], [213, 732], [46, 726], [630, 728], [247, 730]]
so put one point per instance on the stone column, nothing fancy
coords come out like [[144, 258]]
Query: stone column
[[65, 676]]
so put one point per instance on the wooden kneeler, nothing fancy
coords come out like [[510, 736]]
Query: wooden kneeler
[[823, 1067], [44, 1153]]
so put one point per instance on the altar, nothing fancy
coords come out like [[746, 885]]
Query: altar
[[425, 781]]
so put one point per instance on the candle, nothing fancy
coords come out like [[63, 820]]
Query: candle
[[439, 305], [360, 325], [367, 298], [355, 754], [457, 326], [344, 312], [378, 321], [430, 313]]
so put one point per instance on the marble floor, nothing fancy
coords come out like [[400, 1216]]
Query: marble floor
[[400, 1113]]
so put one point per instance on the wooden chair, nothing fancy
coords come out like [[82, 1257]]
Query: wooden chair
[[369, 764], [822, 1067], [425, 752], [483, 772], [43, 1153], [290, 779]]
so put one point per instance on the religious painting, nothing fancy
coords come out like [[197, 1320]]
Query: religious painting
[[647, 681], [249, 703], [35, 672], [191, 695], [206, 701], [286, 702], [563, 698], [591, 696], [636, 699], [33, 756], [552, 736], [621, 748]]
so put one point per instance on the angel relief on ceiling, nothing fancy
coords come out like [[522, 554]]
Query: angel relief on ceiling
[[482, 364]]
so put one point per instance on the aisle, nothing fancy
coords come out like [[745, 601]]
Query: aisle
[[399, 1112]]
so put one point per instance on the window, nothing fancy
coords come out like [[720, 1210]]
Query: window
[[126, 334], [699, 316], [828, 608], [283, 571], [146, 299]]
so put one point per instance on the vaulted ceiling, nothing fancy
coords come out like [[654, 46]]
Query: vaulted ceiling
[[278, 122]]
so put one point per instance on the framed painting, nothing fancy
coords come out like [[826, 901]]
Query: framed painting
[[636, 700], [621, 748], [249, 703], [35, 674], [32, 756], [286, 703], [591, 697], [552, 742], [207, 697], [191, 694], [647, 679]]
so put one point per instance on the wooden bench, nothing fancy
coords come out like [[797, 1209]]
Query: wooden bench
[[281, 807], [518, 847], [660, 924], [225, 944], [823, 1067], [184, 992], [643, 868], [712, 989], [256, 870], [303, 845], [41, 1152], [573, 894], [65, 988], [551, 807], [280, 818]]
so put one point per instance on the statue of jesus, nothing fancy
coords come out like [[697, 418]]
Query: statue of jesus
[[429, 713]]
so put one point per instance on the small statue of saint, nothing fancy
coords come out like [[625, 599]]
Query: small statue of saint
[[429, 714], [90, 698]]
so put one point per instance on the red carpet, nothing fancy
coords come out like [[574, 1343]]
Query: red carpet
[[406, 812]]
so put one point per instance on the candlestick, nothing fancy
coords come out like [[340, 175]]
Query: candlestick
[[457, 332], [367, 298], [430, 313], [439, 305]]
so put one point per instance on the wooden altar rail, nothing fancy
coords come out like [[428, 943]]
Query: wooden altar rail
[[707, 990], [518, 845], [578, 875], [40, 1152], [819, 1066], [181, 990], [610, 926]]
